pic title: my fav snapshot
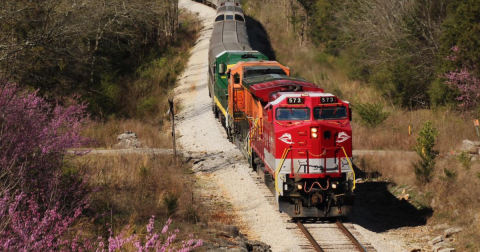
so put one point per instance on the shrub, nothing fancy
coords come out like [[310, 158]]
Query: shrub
[[465, 159], [27, 226], [34, 138], [371, 114], [425, 142], [40, 196], [151, 242], [450, 175], [171, 202]]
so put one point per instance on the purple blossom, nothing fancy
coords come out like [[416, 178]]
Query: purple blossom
[[465, 81], [37, 207], [151, 242]]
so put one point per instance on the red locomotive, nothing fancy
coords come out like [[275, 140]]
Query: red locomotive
[[296, 137]]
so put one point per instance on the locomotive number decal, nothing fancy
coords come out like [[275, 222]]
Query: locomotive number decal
[[294, 100], [342, 137], [328, 100], [286, 138]]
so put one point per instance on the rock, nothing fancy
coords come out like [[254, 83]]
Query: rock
[[238, 250], [258, 246], [436, 240], [451, 231], [228, 230], [128, 140], [441, 245], [467, 145], [470, 147], [447, 250], [440, 226]]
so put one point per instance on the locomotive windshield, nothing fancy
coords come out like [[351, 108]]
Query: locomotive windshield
[[330, 113], [239, 18], [292, 114]]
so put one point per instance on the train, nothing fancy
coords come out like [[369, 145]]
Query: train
[[297, 137]]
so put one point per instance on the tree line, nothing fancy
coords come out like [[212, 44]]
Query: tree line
[[419, 53], [62, 47]]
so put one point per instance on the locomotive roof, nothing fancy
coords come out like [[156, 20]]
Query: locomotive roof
[[229, 9], [251, 71], [247, 82], [220, 3], [264, 85], [228, 36]]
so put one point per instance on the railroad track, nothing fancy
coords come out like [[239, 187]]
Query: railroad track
[[331, 237]]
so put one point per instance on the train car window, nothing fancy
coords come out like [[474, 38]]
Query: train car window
[[220, 18], [292, 114], [261, 71], [229, 17], [239, 18], [330, 113]]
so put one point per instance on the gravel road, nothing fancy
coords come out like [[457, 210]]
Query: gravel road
[[224, 164]]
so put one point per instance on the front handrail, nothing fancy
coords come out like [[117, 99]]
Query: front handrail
[[351, 168], [279, 167], [287, 150]]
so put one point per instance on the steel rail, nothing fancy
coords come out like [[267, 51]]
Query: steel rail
[[309, 237], [350, 236]]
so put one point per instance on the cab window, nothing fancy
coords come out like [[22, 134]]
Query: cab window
[[239, 18], [229, 17], [292, 114], [219, 18], [330, 113]]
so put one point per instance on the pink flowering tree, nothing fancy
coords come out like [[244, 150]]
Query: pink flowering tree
[[39, 197], [465, 80], [151, 242]]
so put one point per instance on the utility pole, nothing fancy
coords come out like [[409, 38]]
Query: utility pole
[[172, 116]]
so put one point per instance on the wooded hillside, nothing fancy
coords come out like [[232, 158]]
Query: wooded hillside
[[403, 47], [418, 53], [84, 47]]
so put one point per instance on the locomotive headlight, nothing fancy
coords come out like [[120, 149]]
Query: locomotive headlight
[[314, 135], [314, 132], [334, 186], [299, 186]]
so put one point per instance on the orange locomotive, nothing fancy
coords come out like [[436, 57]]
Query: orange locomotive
[[295, 136]]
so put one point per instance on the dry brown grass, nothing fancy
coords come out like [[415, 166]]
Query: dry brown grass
[[105, 133], [393, 133], [133, 187], [456, 200], [391, 166]]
